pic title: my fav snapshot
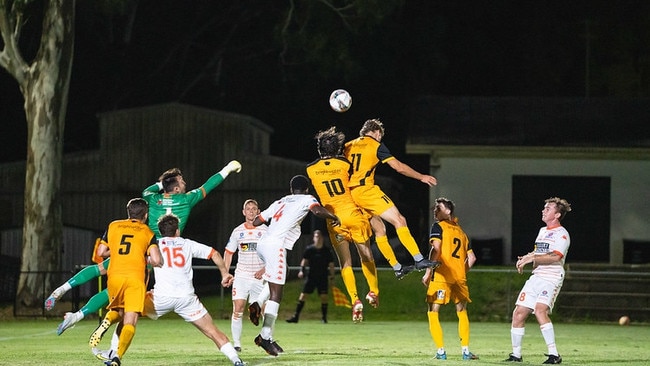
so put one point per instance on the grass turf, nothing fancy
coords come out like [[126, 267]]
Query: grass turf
[[173, 342], [395, 334]]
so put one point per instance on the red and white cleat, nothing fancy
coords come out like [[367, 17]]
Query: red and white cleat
[[373, 299], [357, 312]]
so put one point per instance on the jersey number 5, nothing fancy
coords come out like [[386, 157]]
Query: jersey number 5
[[125, 245]]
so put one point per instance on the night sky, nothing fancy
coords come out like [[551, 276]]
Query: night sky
[[231, 56]]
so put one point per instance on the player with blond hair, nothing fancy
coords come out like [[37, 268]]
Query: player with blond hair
[[542, 288], [365, 153]]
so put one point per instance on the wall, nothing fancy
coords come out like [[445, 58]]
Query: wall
[[481, 188]]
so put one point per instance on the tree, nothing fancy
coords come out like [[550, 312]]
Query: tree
[[44, 83]]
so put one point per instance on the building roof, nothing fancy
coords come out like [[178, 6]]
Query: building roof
[[530, 121]]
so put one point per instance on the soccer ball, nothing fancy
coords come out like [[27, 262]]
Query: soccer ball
[[624, 320], [340, 100]]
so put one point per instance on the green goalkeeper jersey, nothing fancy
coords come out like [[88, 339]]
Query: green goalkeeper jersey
[[180, 204]]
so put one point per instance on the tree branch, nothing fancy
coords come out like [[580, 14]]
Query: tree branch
[[10, 28]]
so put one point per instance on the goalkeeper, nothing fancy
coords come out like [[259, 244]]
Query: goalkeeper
[[168, 195]]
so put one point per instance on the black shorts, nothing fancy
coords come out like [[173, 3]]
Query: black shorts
[[320, 284]]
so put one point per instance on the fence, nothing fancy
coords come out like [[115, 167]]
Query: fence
[[593, 295]]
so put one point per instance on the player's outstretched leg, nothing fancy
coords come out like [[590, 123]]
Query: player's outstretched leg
[[93, 305], [81, 277]]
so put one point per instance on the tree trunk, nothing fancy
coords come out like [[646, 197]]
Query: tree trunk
[[45, 89]]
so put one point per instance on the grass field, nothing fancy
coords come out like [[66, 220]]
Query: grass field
[[395, 334], [172, 342]]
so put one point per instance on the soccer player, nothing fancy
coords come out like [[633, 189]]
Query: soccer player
[[283, 218], [319, 259], [330, 177], [248, 283], [168, 195], [131, 244], [452, 248], [542, 288], [365, 153], [174, 290]]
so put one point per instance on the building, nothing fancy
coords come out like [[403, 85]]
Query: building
[[136, 146], [498, 158]]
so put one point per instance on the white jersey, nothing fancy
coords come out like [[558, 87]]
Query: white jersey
[[244, 238], [174, 278], [550, 240], [284, 217]]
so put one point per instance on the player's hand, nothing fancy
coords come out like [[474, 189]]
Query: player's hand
[[227, 280], [233, 167], [335, 222], [258, 275], [427, 277], [522, 261], [429, 180]]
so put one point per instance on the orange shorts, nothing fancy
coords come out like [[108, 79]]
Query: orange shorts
[[126, 293], [371, 199], [355, 227], [442, 293]]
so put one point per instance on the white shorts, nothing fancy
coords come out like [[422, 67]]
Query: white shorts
[[274, 256], [189, 308], [539, 290], [246, 288]]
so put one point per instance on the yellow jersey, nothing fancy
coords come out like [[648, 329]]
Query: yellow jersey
[[365, 153]]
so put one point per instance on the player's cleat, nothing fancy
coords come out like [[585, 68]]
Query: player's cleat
[[293, 319], [513, 358], [267, 345], [553, 359], [51, 301], [402, 272], [373, 299], [254, 313], [104, 355], [357, 312], [115, 361], [237, 348], [469, 356], [239, 363], [69, 320], [323, 320], [425, 263], [441, 356], [97, 335], [277, 347]]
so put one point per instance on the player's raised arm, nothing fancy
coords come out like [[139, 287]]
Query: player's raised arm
[[233, 167]]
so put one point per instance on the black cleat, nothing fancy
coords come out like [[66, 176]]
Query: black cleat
[[513, 358], [113, 362], [425, 263], [267, 345], [553, 360], [402, 272], [293, 319], [254, 313], [277, 347]]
